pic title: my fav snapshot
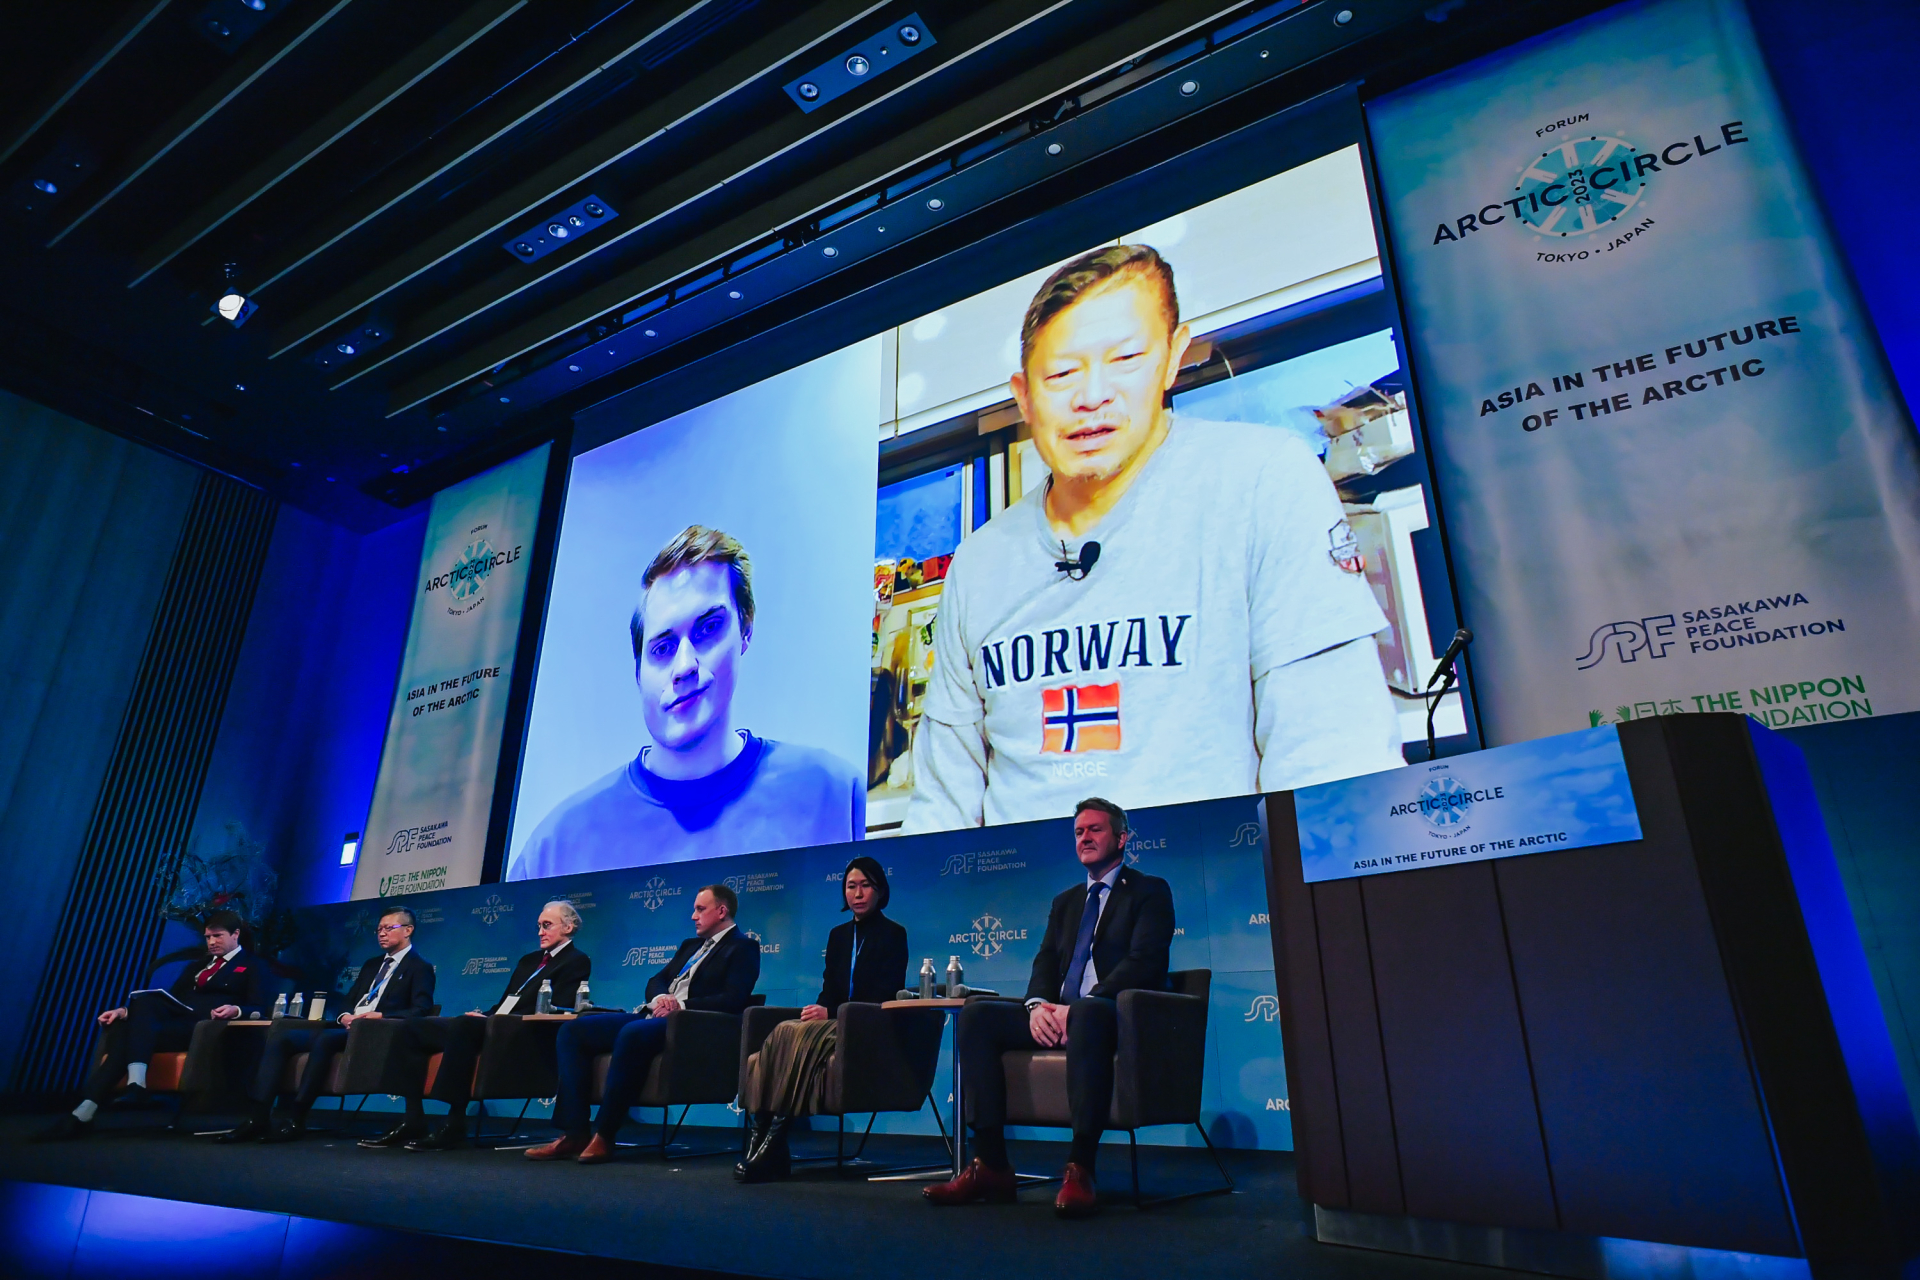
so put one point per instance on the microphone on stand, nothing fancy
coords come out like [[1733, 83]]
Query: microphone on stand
[[1078, 567], [1461, 639]]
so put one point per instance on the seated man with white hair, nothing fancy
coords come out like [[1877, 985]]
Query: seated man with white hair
[[557, 961]]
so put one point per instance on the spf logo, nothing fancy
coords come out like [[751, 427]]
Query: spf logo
[[1628, 640], [1245, 833], [1263, 1009]]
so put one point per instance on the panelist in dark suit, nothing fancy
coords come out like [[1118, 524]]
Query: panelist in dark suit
[[395, 984], [714, 970], [460, 1039], [227, 982], [1106, 936], [866, 963]]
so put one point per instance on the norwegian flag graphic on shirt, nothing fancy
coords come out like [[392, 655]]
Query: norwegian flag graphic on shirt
[[1080, 717]]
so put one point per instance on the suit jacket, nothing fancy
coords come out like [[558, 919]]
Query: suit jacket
[[241, 981], [882, 970], [408, 994], [566, 973], [1130, 944], [724, 979]]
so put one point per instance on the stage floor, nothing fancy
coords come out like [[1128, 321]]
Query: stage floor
[[691, 1214]]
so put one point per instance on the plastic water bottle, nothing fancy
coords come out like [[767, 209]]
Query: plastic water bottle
[[926, 978], [582, 999], [280, 1005], [955, 976], [544, 1003], [298, 1009]]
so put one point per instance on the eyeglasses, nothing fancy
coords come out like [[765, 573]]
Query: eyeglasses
[[392, 928]]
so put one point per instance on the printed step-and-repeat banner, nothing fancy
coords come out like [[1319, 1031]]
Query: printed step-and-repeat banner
[[981, 895], [1676, 473], [427, 827]]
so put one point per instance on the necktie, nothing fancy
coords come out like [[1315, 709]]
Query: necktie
[[208, 972], [379, 983], [1083, 945]]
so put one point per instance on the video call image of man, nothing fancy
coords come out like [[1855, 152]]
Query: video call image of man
[[1215, 644], [460, 1039], [397, 983], [228, 982], [705, 786], [714, 970], [1110, 934]]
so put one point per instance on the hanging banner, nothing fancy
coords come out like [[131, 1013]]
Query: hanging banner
[[427, 828], [1676, 472]]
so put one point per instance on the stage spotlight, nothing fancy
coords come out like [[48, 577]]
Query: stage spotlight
[[48, 188], [350, 848], [857, 65], [234, 306]]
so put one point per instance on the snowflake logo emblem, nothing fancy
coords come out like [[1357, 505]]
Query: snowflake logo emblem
[[492, 909], [987, 933], [471, 570], [1444, 803], [654, 894]]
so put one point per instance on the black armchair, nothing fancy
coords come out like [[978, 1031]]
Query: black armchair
[[883, 1060], [699, 1064], [1159, 1069]]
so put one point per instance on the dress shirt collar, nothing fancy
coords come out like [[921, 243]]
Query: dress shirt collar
[[397, 956], [558, 947], [1110, 879]]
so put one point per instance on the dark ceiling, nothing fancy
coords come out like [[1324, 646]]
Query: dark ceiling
[[380, 176]]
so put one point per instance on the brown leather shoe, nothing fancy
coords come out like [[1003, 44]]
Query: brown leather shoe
[[559, 1149], [976, 1184], [1077, 1198], [599, 1150]]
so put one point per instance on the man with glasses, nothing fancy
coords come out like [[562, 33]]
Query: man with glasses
[[395, 984]]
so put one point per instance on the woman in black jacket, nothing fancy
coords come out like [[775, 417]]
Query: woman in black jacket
[[866, 963]]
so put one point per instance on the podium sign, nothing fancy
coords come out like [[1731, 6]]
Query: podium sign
[[1564, 792]]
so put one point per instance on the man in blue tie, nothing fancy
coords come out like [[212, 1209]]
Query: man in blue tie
[[1109, 935], [397, 983]]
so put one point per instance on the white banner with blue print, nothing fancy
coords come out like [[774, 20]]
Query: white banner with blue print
[[1564, 792]]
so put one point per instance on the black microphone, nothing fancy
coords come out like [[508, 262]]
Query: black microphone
[[1461, 639], [1081, 567]]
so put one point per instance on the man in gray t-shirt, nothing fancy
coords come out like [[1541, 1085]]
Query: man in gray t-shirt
[[1220, 644]]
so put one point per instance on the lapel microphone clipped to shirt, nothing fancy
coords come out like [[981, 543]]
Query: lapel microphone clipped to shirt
[[1078, 567]]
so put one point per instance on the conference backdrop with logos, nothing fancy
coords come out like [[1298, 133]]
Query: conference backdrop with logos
[[1675, 474], [982, 896]]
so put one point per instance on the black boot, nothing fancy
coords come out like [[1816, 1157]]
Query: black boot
[[773, 1160], [252, 1129], [400, 1135], [450, 1136], [67, 1127], [756, 1135], [289, 1130]]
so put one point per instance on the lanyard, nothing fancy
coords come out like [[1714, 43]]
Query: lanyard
[[854, 963]]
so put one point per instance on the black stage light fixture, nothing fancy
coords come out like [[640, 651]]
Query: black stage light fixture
[[52, 178], [582, 218], [228, 24], [351, 345], [850, 68], [233, 306]]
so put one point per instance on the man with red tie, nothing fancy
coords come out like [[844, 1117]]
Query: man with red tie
[[221, 986], [460, 1039]]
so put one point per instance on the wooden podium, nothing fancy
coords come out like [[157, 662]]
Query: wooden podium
[[1541, 1061]]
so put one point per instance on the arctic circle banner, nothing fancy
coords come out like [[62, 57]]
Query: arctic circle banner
[[1676, 471]]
